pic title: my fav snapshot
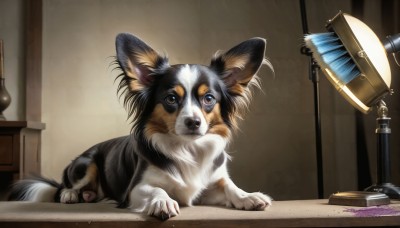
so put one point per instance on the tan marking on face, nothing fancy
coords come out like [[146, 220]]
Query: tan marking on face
[[160, 121], [202, 90], [216, 123], [180, 91]]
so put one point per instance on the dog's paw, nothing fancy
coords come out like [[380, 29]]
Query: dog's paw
[[69, 196], [163, 208], [255, 201]]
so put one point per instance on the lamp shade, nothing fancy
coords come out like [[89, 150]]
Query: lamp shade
[[369, 56]]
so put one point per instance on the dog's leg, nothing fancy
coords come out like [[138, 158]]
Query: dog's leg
[[225, 192], [81, 174], [243, 200], [153, 200]]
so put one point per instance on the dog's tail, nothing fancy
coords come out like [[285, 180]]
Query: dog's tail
[[35, 189]]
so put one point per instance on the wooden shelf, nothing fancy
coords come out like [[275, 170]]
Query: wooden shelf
[[22, 124]]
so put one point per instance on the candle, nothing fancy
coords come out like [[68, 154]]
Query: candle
[[1, 59]]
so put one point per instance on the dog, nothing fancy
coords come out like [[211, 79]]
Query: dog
[[183, 117]]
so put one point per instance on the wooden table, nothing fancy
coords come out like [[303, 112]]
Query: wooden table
[[302, 213]]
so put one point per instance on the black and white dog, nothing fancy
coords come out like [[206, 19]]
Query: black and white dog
[[183, 117]]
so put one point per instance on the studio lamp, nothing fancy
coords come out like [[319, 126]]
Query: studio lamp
[[355, 61]]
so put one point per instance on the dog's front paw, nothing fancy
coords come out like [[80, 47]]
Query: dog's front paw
[[163, 208], [255, 201], [69, 196]]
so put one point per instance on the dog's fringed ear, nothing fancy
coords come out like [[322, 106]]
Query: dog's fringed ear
[[238, 66], [138, 61]]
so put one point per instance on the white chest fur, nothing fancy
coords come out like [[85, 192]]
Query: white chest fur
[[194, 160]]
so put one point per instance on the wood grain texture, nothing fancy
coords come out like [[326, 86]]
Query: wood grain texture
[[33, 60], [303, 213]]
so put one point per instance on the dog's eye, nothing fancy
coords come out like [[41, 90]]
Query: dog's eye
[[209, 100], [171, 99]]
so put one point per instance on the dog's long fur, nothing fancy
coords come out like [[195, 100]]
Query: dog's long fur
[[183, 117]]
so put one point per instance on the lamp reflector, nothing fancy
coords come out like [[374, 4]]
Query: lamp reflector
[[355, 62], [372, 47]]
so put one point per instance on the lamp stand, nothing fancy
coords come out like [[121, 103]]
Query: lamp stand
[[383, 132], [314, 77], [379, 193]]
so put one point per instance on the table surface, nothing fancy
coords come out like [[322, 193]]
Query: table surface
[[301, 213]]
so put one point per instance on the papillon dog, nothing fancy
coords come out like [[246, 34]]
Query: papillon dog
[[183, 117]]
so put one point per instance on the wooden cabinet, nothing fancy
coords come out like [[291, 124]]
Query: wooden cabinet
[[20, 143]]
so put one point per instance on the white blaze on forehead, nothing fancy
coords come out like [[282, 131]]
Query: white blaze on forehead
[[188, 76]]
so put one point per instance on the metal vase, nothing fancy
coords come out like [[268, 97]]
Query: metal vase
[[5, 98]]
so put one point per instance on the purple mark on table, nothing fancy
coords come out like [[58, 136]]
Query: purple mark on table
[[374, 211]]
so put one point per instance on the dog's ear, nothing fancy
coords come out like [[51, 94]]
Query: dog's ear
[[239, 65], [138, 60]]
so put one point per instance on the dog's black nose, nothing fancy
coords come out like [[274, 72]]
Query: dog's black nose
[[193, 123]]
